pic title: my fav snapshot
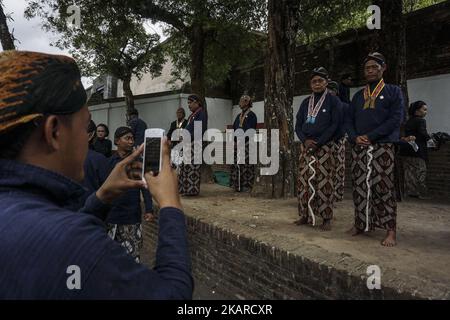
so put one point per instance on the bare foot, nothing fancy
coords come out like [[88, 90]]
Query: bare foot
[[326, 225], [355, 232], [390, 240], [302, 221]]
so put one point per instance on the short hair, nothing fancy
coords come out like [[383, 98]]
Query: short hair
[[182, 110], [196, 97], [105, 127], [133, 112], [346, 76], [92, 127]]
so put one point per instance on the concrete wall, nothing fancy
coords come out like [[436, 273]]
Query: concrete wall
[[148, 84], [159, 112]]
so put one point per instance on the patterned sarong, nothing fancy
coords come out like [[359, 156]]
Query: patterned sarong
[[415, 176], [242, 175], [323, 183], [129, 236], [340, 170], [189, 175], [382, 205]]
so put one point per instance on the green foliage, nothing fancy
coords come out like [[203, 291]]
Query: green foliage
[[227, 25], [333, 17], [110, 40]]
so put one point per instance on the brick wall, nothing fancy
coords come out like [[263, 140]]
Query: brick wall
[[244, 268]]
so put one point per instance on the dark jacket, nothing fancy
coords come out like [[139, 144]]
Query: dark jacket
[[95, 174], [250, 122], [199, 117], [127, 208], [40, 239], [327, 121], [344, 93], [138, 127], [173, 127], [103, 146], [381, 124], [417, 127]]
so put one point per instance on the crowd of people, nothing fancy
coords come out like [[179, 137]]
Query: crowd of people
[[69, 199]]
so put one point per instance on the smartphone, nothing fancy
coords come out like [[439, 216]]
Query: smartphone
[[152, 151]]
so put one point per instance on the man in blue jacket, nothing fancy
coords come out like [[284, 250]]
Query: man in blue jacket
[[138, 127], [190, 173], [317, 122], [46, 250], [125, 217], [373, 125]]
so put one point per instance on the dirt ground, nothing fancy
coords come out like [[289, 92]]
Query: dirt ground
[[422, 254]]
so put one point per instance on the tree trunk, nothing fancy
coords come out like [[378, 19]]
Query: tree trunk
[[283, 19], [198, 43], [129, 98], [6, 39], [391, 41]]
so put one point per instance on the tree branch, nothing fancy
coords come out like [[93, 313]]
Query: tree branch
[[149, 10]]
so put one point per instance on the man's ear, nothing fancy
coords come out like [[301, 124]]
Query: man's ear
[[52, 132]]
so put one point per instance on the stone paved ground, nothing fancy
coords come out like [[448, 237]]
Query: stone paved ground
[[422, 254]]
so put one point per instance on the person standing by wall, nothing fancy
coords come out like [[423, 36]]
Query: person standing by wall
[[101, 143], [373, 126], [189, 178], [125, 217], [318, 119], [138, 127], [243, 175], [415, 161]]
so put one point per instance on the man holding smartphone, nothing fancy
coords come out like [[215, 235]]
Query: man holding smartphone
[[43, 118]]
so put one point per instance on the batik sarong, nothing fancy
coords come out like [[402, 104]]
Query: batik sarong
[[242, 176], [189, 174], [129, 236], [382, 202], [323, 183], [340, 170]]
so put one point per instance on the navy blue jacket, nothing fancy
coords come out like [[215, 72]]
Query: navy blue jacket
[[127, 208], [327, 121], [382, 124], [250, 122], [95, 171], [344, 93], [103, 146], [201, 116], [138, 127], [340, 132], [40, 239]]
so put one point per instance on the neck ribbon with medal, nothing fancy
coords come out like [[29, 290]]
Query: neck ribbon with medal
[[370, 98], [313, 111], [242, 117], [191, 117]]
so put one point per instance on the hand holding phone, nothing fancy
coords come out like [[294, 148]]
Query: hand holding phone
[[152, 151], [164, 187]]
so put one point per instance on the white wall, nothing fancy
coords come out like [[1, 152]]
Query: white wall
[[435, 91], [159, 112], [148, 84]]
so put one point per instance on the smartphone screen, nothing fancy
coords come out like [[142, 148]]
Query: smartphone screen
[[152, 154]]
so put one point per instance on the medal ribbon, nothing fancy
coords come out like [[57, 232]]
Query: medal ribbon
[[191, 117], [370, 98], [242, 117], [313, 111]]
